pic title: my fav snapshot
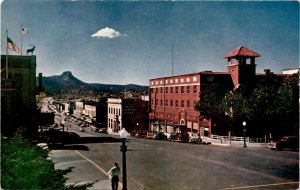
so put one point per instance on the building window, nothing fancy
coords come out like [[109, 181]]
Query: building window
[[171, 81], [171, 88], [182, 80], [188, 103], [152, 102], [194, 89], [176, 103], [182, 89], [161, 102], [171, 102], [176, 80], [182, 103], [187, 79], [167, 89], [194, 79], [161, 89], [156, 102], [167, 103], [156, 90], [188, 89], [176, 89]]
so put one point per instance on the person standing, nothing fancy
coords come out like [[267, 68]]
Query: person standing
[[113, 174]]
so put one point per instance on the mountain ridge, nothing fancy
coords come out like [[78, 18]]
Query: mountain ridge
[[67, 81]]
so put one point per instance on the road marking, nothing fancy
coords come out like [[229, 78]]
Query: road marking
[[69, 162], [97, 166], [137, 182], [265, 185], [93, 163]]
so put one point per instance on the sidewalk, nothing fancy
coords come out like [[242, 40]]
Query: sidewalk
[[238, 144], [64, 159]]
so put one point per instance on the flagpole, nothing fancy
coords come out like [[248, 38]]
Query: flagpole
[[172, 60], [6, 56], [21, 39]]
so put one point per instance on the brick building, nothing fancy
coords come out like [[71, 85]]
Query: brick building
[[172, 98], [126, 113], [18, 90]]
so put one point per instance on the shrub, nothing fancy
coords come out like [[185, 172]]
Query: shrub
[[24, 166]]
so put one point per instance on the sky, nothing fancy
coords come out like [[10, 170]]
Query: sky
[[130, 42]]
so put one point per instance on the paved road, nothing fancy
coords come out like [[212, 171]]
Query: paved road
[[165, 165]]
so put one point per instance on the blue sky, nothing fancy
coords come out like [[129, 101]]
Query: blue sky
[[131, 41]]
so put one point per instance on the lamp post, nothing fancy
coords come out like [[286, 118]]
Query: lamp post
[[124, 134], [244, 131]]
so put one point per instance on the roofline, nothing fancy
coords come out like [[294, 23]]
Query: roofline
[[197, 73]]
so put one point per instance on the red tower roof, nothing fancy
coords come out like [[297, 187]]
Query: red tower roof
[[241, 52]]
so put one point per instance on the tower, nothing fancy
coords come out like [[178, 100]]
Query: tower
[[241, 65]]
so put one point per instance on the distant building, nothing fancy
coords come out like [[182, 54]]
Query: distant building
[[90, 110], [78, 112], [18, 100], [291, 71], [94, 112], [172, 98], [130, 114]]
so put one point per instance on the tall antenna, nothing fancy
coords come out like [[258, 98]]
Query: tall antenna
[[172, 60]]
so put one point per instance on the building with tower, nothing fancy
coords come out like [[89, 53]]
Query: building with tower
[[172, 98]]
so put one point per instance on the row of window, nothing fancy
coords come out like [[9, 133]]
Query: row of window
[[112, 123], [167, 81], [176, 89], [175, 103], [115, 111]]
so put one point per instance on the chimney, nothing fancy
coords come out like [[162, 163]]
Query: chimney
[[40, 88]]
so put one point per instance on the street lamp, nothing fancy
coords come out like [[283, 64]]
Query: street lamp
[[244, 131], [124, 134]]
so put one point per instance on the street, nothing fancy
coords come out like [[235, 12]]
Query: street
[[155, 164]]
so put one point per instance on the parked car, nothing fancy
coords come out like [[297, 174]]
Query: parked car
[[205, 140], [194, 138], [159, 136], [291, 142], [174, 137], [101, 130], [59, 137]]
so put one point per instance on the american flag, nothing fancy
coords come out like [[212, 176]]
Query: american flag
[[11, 45]]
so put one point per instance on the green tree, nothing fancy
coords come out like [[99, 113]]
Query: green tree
[[209, 107], [236, 107], [210, 101]]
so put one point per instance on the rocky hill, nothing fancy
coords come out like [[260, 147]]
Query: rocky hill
[[67, 82]]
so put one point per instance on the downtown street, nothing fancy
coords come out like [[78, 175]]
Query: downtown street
[[153, 164]]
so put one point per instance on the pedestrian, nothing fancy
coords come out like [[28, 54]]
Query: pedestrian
[[114, 176]]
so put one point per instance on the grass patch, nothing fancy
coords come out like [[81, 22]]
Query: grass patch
[[24, 166]]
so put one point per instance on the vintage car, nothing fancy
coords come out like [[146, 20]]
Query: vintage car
[[159, 136], [291, 142], [194, 138]]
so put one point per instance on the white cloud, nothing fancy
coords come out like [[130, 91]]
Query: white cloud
[[107, 33]]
